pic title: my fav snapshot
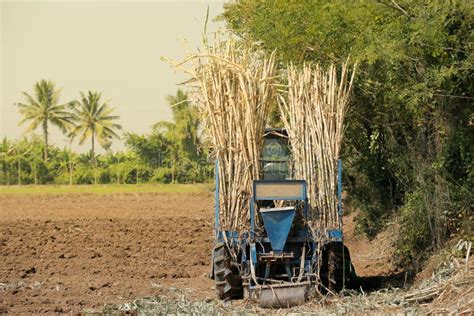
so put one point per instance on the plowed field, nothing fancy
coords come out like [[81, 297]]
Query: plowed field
[[66, 253]]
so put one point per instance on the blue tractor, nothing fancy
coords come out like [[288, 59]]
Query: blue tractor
[[278, 262]]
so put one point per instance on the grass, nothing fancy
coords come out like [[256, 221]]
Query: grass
[[106, 188]]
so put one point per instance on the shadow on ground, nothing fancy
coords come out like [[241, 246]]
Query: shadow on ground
[[377, 282]]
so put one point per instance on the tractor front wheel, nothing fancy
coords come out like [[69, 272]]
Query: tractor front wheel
[[226, 276]]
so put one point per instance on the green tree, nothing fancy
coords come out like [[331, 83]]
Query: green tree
[[67, 163], [43, 108], [6, 159], [18, 154], [152, 149], [182, 134], [94, 119], [408, 132], [186, 124], [34, 157], [173, 149]]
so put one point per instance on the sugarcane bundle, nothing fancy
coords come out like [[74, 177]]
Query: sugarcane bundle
[[233, 87], [313, 108]]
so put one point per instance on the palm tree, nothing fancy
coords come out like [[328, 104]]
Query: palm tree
[[44, 109], [94, 120], [186, 123], [182, 134]]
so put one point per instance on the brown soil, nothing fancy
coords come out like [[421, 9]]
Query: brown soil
[[370, 257], [72, 252], [68, 253]]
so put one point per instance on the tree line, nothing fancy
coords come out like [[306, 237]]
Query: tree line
[[408, 146], [172, 152]]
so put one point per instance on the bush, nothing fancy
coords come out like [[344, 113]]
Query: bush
[[162, 175]]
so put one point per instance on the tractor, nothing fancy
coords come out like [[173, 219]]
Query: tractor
[[278, 261]]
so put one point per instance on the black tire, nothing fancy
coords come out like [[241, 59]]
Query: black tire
[[334, 277], [335, 267], [227, 280]]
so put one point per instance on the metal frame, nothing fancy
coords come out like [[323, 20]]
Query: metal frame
[[216, 200], [254, 199], [334, 234], [271, 198], [339, 191]]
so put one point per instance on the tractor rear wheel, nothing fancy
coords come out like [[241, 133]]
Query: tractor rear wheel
[[226, 276], [337, 270]]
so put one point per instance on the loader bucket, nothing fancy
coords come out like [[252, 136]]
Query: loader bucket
[[282, 295], [277, 224]]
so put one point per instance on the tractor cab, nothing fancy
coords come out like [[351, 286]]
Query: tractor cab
[[276, 156]]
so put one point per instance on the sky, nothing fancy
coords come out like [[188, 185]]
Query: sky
[[110, 46]]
